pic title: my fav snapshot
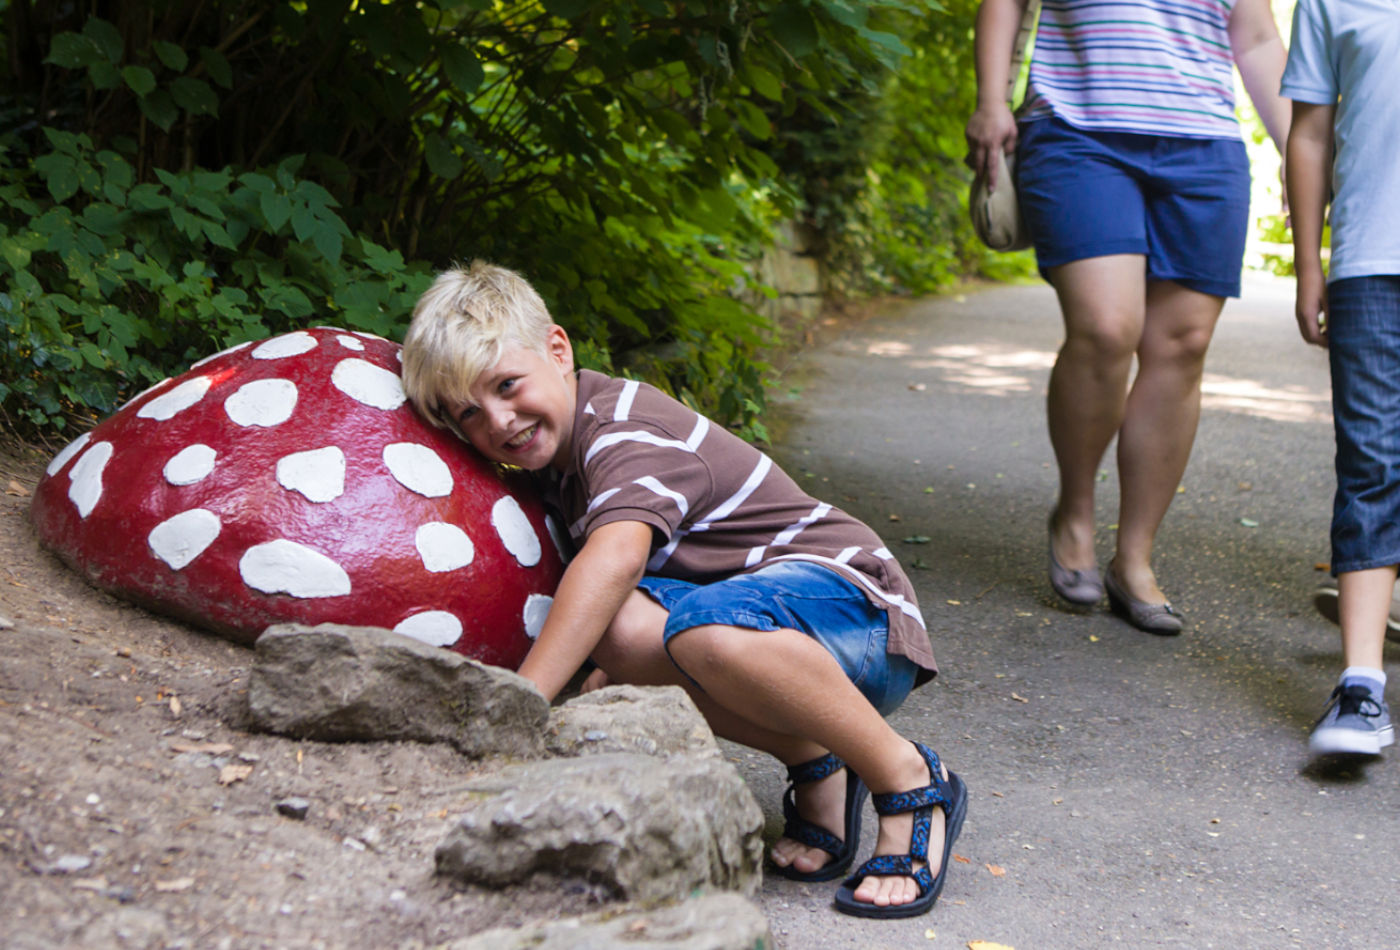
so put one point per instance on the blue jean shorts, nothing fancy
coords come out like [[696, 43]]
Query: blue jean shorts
[[1183, 203], [1363, 337], [797, 595]]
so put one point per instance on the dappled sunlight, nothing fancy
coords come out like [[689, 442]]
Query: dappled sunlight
[[1004, 370], [1288, 404]]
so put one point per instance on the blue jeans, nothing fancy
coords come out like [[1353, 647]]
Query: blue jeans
[[797, 595], [1363, 334]]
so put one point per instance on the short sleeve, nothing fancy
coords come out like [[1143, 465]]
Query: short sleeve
[[636, 471], [1310, 75]]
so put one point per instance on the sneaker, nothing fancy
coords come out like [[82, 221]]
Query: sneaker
[[1325, 600], [1354, 723]]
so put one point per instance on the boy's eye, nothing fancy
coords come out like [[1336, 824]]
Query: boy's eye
[[466, 413], [506, 385]]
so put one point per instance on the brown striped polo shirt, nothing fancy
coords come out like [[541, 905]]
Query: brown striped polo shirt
[[718, 506]]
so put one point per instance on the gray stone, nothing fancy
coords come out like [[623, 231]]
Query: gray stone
[[635, 826], [652, 720], [709, 922], [294, 808], [337, 683]]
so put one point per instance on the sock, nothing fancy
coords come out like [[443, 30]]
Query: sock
[[1372, 679]]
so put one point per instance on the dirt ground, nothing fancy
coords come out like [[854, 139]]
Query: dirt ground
[[135, 812]]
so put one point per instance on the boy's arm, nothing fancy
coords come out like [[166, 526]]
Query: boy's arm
[[993, 126], [1260, 57], [1308, 166], [596, 582]]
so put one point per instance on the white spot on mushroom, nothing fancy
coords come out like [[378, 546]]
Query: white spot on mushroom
[[372, 385], [232, 349], [288, 344], [70, 450], [418, 468], [178, 399], [536, 610], [443, 546], [434, 627], [515, 531], [285, 567], [263, 402], [86, 477], [318, 474], [189, 465], [350, 343], [180, 539]]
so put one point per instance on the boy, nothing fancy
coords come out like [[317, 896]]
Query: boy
[[1340, 78], [701, 564]]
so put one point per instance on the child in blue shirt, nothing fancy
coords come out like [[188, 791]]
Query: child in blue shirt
[[1346, 121]]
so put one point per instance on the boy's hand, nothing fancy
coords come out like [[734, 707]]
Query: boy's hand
[[596, 582], [1311, 308]]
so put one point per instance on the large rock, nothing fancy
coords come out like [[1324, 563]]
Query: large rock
[[338, 683], [652, 720], [640, 828], [709, 922], [290, 481]]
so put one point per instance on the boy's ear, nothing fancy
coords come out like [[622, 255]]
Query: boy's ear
[[560, 350]]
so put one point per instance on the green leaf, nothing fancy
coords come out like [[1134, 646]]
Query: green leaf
[[106, 37], [219, 69], [442, 161], [463, 69], [752, 119], [794, 28], [765, 83], [171, 55], [60, 173], [103, 75], [15, 255], [276, 210], [160, 109], [566, 9], [140, 80], [73, 51], [194, 95]]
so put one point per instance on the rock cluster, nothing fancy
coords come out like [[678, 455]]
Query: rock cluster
[[622, 788]]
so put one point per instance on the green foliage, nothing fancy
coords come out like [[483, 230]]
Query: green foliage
[[237, 167], [110, 284]]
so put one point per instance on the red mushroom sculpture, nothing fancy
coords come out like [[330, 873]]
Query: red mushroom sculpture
[[290, 480]]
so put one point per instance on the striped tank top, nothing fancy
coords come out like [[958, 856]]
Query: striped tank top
[[1161, 67]]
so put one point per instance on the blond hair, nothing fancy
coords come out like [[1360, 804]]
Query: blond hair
[[460, 329]]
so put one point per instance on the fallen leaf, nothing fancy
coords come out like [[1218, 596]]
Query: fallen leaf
[[1321, 566], [987, 945], [960, 859], [179, 884], [894, 517], [998, 795], [917, 539], [1019, 698], [175, 706], [929, 934], [918, 387], [91, 884], [234, 773], [15, 488], [1246, 486], [955, 603], [213, 748], [638, 926], [1249, 522], [996, 870]]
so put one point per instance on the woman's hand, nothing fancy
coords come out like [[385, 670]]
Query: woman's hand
[[991, 128]]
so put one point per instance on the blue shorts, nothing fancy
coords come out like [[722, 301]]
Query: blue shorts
[[797, 595], [1363, 347], [1183, 203]]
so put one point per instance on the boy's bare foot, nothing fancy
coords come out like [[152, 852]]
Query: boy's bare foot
[[895, 832], [823, 803]]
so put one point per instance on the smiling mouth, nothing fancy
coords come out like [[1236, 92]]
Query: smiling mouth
[[523, 439]]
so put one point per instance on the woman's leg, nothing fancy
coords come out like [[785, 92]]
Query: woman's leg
[[1102, 300], [1159, 424]]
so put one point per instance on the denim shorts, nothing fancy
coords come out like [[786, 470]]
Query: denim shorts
[[1183, 203], [1363, 346], [797, 595]]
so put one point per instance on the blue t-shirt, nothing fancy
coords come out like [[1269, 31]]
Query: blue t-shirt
[[1345, 52]]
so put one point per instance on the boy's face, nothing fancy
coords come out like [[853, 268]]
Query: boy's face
[[522, 409]]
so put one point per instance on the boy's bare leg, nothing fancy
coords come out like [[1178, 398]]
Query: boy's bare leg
[[1363, 609], [787, 683], [783, 693]]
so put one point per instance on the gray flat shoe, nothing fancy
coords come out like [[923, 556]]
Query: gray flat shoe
[[1081, 588], [1161, 619]]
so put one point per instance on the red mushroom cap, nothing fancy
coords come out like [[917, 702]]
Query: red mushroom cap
[[290, 480]]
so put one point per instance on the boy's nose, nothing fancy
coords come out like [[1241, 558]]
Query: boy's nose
[[498, 416]]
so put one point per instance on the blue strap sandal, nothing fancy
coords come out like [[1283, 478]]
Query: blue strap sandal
[[950, 794], [799, 829]]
